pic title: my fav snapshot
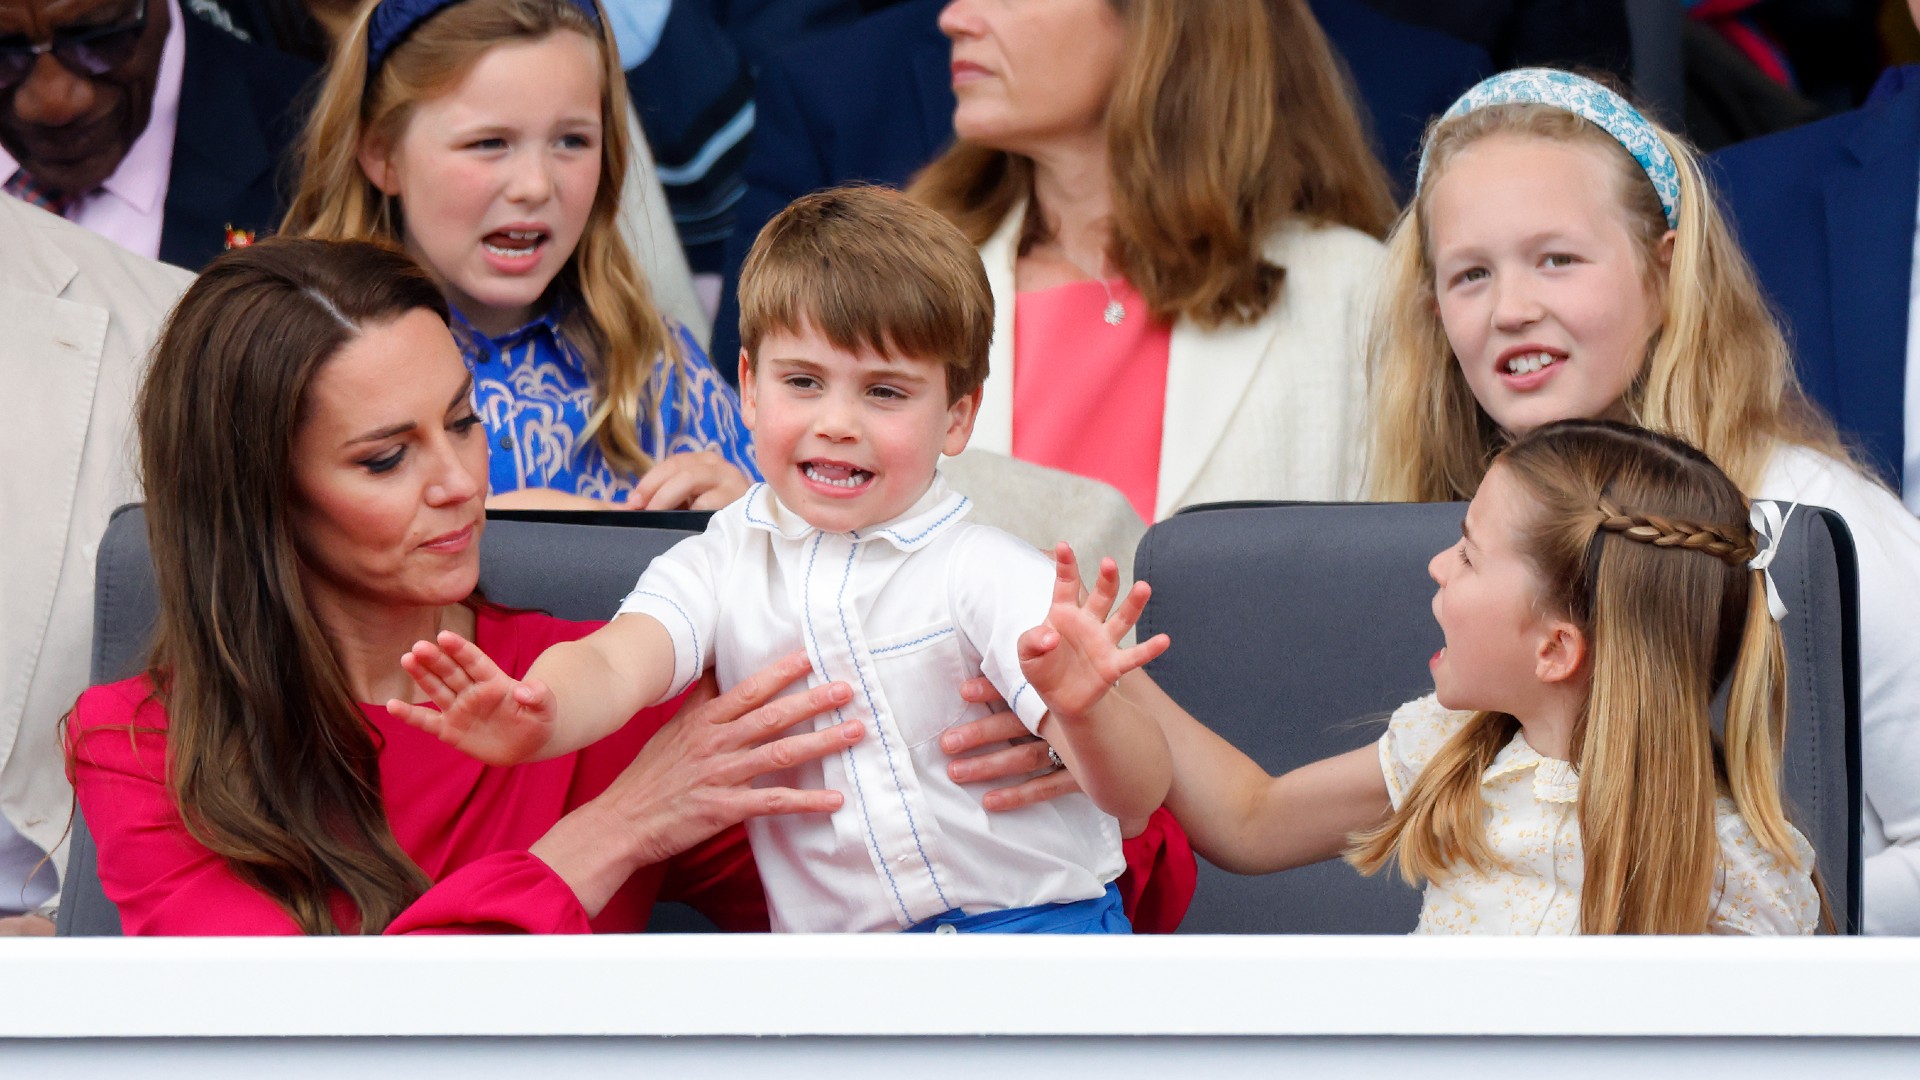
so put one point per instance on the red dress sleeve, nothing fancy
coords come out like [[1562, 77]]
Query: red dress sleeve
[[166, 882], [1160, 877]]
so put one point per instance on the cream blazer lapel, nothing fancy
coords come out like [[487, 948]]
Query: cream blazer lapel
[[70, 364], [1207, 378]]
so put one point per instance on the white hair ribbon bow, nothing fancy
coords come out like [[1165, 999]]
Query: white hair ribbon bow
[[1771, 524]]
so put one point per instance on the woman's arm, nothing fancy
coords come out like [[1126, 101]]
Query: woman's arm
[[695, 778]]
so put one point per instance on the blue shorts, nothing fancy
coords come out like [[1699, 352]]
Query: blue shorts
[[1100, 915]]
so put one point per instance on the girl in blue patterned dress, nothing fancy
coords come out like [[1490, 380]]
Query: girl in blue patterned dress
[[487, 138]]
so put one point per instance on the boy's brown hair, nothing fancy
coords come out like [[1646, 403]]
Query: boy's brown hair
[[868, 268]]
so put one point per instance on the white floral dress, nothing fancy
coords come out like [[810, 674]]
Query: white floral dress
[[1533, 826]]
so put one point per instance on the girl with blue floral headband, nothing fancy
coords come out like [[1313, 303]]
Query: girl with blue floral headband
[[488, 138], [1565, 258]]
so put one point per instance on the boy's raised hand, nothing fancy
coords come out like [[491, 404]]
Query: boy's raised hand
[[483, 711], [1075, 658]]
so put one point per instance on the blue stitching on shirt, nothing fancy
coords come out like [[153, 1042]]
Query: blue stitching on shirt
[[757, 489], [699, 660], [911, 644], [846, 575], [859, 791], [1014, 705], [924, 533]]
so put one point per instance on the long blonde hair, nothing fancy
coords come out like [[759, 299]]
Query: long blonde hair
[[1638, 539], [1717, 374], [1228, 119], [629, 346]]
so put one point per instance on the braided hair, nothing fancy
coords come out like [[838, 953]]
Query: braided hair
[[1642, 542]]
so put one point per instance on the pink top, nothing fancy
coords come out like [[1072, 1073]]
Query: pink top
[[128, 206], [1090, 398]]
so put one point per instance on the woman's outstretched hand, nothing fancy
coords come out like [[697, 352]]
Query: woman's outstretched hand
[[483, 711]]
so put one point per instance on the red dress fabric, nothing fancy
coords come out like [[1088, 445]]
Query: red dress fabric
[[466, 824], [1089, 398]]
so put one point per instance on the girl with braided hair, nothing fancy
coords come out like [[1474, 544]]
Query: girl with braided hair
[[1563, 257], [1564, 776]]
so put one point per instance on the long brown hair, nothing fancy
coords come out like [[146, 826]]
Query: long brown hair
[[1228, 120], [631, 351], [1642, 542], [269, 759], [1717, 371]]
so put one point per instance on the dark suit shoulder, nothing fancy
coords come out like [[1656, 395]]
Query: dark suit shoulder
[[273, 79]]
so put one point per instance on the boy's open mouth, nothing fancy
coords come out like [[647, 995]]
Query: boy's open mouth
[[834, 474]]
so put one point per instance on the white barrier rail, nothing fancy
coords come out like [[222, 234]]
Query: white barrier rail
[[706, 1003]]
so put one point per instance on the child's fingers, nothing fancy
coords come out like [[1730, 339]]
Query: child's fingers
[[1038, 642], [475, 665], [427, 720], [1105, 586], [1142, 654], [423, 676], [434, 661], [1122, 621], [536, 697], [1066, 574]]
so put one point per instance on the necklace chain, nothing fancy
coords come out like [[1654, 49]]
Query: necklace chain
[[1115, 312]]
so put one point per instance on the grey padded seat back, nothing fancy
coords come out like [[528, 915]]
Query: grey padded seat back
[[1298, 628], [573, 571]]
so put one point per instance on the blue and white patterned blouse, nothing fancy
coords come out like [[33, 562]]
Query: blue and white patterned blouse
[[534, 395]]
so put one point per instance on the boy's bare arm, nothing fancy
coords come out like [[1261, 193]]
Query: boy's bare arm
[[1115, 749], [601, 680], [576, 693]]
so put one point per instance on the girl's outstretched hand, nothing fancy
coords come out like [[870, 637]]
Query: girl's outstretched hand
[[1075, 658], [483, 711]]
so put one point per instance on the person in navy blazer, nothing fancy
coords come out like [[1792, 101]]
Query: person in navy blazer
[[1826, 212], [874, 101], [241, 107]]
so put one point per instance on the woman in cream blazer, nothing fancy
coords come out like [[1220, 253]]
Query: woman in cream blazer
[[1207, 161], [1273, 409]]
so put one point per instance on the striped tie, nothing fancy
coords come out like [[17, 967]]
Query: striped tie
[[25, 188]]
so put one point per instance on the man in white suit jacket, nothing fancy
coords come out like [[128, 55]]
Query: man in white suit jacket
[[77, 316]]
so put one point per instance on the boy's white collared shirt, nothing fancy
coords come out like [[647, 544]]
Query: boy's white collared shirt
[[903, 612]]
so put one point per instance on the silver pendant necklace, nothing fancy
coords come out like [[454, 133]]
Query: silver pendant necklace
[[1115, 312]]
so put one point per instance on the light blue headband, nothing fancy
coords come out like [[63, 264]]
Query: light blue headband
[[1589, 101]]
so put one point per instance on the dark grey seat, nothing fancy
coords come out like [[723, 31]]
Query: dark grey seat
[[1298, 628], [537, 561]]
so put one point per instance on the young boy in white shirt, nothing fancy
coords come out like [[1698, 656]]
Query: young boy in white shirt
[[865, 321]]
